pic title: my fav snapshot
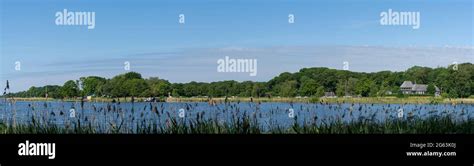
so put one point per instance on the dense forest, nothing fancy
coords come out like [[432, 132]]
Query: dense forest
[[454, 81]]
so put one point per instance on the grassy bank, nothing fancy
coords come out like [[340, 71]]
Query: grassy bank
[[245, 125], [381, 100]]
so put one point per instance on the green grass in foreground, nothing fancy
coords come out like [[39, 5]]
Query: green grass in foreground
[[433, 125]]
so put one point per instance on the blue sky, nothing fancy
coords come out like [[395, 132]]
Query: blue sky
[[147, 34]]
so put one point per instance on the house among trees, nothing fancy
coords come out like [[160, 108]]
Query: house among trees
[[329, 95], [420, 89]]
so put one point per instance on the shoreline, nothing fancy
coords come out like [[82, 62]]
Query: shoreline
[[374, 100]]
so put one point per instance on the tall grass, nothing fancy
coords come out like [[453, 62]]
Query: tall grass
[[432, 125], [248, 125]]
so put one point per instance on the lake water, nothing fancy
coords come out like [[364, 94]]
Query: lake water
[[268, 114]]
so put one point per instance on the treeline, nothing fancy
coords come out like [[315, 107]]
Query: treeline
[[312, 82]]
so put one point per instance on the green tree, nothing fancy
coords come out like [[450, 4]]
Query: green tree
[[341, 88], [288, 88], [366, 87], [308, 86], [306, 82], [91, 85], [132, 75], [159, 87], [320, 91], [70, 89], [453, 94], [135, 87], [175, 93], [472, 89], [430, 89], [462, 79]]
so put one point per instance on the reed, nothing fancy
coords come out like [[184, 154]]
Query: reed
[[247, 125]]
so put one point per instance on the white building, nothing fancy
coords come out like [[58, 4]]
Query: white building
[[420, 89]]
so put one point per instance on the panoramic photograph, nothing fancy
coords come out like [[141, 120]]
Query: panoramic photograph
[[184, 68]]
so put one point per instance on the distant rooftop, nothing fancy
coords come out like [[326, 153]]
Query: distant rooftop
[[407, 84]]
